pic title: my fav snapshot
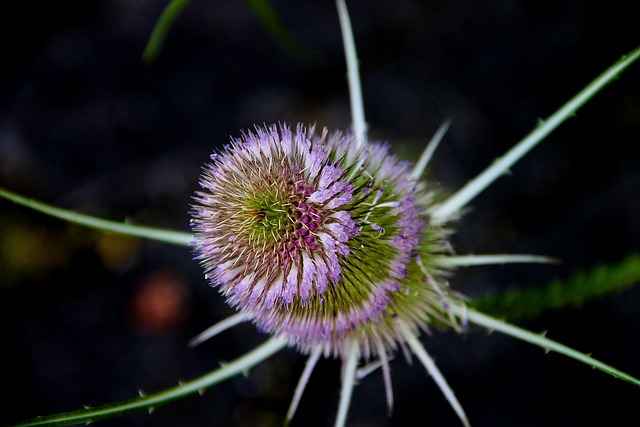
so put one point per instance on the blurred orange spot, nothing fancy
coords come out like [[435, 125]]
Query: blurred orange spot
[[159, 305]]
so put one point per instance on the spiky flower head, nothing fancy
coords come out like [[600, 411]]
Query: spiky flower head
[[320, 240]]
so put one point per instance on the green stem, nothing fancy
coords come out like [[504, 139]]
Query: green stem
[[474, 187], [539, 340], [159, 234], [148, 402]]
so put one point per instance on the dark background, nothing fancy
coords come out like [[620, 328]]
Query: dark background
[[90, 318]]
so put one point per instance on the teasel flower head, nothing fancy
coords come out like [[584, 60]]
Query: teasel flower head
[[321, 241]]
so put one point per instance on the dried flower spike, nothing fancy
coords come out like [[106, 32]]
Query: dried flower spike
[[324, 242]]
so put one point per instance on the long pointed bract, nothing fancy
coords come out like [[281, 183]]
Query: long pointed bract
[[147, 402], [348, 382], [302, 382], [420, 166], [217, 328], [161, 29], [540, 340], [469, 260], [421, 353], [386, 375], [355, 89], [151, 233], [474, 187]]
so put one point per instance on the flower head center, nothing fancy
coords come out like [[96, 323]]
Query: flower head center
[[284, 219]]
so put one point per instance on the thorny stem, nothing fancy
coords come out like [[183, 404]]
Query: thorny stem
[[474, 187], [85, 416], [539, 340]]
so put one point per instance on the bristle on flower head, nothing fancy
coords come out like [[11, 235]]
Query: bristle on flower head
[[319, 240]]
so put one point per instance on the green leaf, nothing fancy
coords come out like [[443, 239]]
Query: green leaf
[[572, 292], [162, 235], [270, 20], [161, 29], [261, 8]]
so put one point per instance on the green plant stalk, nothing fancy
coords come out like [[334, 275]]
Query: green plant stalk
[[539, 340], [161, 29], [148, 402], [474, 187], [151, 233]]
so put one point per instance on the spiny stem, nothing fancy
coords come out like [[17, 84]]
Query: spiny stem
[[539, 340], [148, 402], [474, 187]]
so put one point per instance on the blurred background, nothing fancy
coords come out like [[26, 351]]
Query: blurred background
[[90, 318]]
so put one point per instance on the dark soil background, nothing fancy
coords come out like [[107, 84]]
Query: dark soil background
[[89, 318]]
